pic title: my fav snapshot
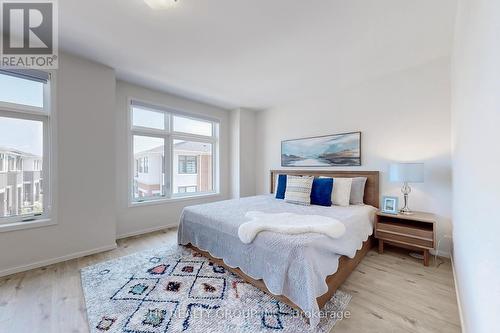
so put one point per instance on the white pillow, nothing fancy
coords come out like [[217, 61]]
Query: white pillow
[[298, 190], [341, 193]]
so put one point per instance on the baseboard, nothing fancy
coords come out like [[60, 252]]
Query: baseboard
[[145, 231], [75, 255], [457, 291], [52, 261]]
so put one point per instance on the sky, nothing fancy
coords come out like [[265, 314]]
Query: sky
[[20, 91], [24, 135], [143, 143]]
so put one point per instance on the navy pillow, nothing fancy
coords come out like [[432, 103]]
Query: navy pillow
[[280, 191], [321, 193]]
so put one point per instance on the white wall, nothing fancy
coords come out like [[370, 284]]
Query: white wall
[[248, 186], [403, 116], [139, 219], [85, 210], [234, 147], [476, 162], [242, 146]]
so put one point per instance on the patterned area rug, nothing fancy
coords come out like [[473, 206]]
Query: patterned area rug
[[178, 290]]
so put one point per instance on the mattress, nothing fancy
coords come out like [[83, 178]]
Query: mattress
[[295, 266]]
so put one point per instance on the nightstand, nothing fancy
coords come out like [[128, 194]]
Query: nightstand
[[414, 232]]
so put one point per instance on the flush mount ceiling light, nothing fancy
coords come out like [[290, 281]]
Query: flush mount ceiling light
[[161, 4]]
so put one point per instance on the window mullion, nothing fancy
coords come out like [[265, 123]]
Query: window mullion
[[137, 130], [168, 166], [46, 169], [23, 115], [168, 169], [168, 122], [193, 137]]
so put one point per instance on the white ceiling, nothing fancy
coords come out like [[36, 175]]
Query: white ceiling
[[256, 53]]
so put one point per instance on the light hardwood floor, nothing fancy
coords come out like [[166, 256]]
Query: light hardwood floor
[[391, 293]]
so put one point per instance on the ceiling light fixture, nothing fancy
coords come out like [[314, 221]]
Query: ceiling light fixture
[[161, 4]]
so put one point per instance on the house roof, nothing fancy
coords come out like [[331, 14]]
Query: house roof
[[195, 147], [4, 150]]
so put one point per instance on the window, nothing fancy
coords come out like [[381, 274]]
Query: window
[[11, 161], [17, 89], [24, 142], [147, 118], [188, 164], [148, 184], [193, 170], [192, 126], [142, 166], [187, 189], [173, 154]]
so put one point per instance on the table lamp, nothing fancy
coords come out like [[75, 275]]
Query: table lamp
[[406, 173]]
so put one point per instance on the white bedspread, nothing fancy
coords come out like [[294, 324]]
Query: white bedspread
[[292, 265], [288, 223]]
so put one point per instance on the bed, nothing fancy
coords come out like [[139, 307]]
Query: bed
[[303, 271]]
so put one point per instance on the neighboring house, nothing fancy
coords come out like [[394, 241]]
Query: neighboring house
[[192, 162], [20, 182], [193, 167], [148, 172]]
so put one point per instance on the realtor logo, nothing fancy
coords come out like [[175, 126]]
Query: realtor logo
[[29, 34]]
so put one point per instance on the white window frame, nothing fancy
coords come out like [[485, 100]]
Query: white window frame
[[169, 135], [45, 115]]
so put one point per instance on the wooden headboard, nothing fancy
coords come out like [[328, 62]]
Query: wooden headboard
[[371, 188]]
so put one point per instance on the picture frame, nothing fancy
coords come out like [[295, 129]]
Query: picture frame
[[390, 205], [333, 150]]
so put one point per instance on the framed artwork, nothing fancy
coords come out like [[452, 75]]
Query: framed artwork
[[322, 151], [390, 205]]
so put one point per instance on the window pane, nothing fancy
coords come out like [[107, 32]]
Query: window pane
[[188, 164], [187, 189], [21, 91], [193, 169], [149, 179], [191, 126], [148, 118], [21, 156]]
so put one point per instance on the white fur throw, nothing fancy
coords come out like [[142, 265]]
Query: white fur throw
[[288, 223]]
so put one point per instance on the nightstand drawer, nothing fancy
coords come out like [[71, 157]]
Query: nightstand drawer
[[405, 229], [416, 231], [405, 239]]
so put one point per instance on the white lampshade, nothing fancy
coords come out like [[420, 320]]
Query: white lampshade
[[407, 172]]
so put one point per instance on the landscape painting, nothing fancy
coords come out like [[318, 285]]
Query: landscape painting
[[323, 151]]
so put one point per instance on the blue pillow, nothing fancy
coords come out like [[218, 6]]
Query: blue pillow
[[321, 193], [280, 191]]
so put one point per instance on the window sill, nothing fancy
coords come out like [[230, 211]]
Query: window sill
[[174, 199], [26, 225]]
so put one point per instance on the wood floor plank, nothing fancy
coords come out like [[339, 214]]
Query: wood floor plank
[[391, 292]]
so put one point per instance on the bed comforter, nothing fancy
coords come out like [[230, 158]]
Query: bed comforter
[[295, 266]]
